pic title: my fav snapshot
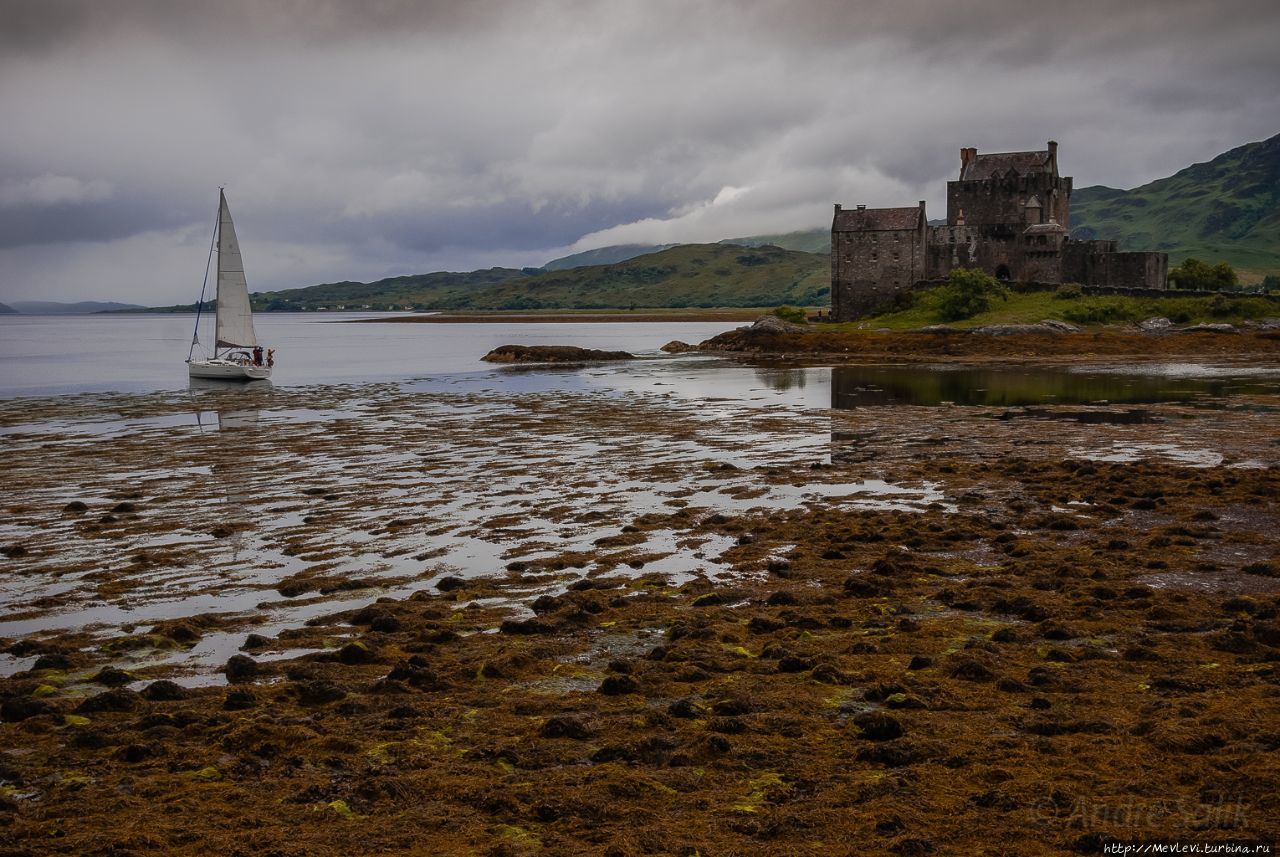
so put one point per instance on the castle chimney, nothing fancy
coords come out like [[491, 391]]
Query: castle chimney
[[837, 208], [1053, 154], [967, 155]]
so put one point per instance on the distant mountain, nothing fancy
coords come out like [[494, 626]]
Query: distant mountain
[[604, 256], [806, 241], [5, 309], [1226, 209], [78, 308]]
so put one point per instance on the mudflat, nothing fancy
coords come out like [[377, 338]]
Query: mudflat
[[367, 619]]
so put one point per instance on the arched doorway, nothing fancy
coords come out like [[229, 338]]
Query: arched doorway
[[1002, 273]]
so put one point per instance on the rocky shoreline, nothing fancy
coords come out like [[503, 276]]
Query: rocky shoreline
[[1048, 340], [707, 628]]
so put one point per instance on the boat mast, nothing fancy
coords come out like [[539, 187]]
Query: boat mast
[[213, 242]]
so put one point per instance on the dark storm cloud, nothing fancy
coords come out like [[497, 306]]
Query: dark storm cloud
[[388, 136]]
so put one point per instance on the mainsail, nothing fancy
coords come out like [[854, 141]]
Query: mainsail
[[235, 320]]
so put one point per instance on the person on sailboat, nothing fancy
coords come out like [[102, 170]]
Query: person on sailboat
[[271, 357], [257, 356]]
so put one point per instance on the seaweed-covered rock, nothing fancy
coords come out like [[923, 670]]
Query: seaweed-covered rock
[[551, 354], [240, 668], [562, 726], [318, 692], [164, 691], [878, 726], [18, 708], [119, 699], [616, 685], [357, 652]]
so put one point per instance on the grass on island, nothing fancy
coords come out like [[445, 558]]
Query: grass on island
[[1081, 310]]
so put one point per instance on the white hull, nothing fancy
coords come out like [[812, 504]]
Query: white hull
[[227, 370]]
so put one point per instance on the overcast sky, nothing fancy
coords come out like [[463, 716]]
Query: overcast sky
[[358, 140]]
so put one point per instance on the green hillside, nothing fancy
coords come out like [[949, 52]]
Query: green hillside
[[1226, 209], [417, 291], [688, 275]]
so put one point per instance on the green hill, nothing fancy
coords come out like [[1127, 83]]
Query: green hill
[[416, 291], [688, 275], [1226, 209]]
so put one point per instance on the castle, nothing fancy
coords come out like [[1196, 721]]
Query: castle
[[1008, 214]]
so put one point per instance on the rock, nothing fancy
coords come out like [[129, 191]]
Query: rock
[[53, 661], [356, 652], [1060, 326], [768, 324], [710, 599], [1158, 324], [1209, 328], [1266, 324], [616, 685], [551, 354], [318, 692], [120, 699], [239, 699], [112, 677], [675, 346], [164, 691], [686, 709], [939, 329], [255, 641], [14, 551], [1262, 569], [134, 753], [18, 708], [240, 668], [450, 583], [794, 664], [525, 626], [76, 506], [385, 624], [972, 670], [1043, 328], [566, 727], [416, 673], [878, 726]]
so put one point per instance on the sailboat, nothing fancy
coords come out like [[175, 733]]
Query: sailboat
[[237, 355]]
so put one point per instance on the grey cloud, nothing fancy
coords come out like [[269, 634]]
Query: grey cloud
[[357, 139]]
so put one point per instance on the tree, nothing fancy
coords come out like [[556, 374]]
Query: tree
[[1195, 275], [969, 292]]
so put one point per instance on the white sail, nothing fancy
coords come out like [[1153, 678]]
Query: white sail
[[235, 320]]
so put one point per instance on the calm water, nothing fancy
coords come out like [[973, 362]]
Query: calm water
[[55, 355], [60, 355]]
